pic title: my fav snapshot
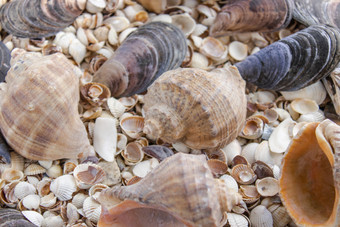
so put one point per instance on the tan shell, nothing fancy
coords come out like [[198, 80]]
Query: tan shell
[[310, 180], [42, 96], [186, 195], [88, 174], [183, 105]]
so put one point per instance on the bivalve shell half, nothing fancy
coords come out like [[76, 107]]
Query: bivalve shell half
[[132, 126], [13, 217], [243, 174], [92, 209], [304, 106], [158, 151], [34, 169], [237, 220], [63, 187], [261, 217], [88, 174], [23, 189], [267, 186], [133, 153], [5, 58], [33, 216], [280, 138]]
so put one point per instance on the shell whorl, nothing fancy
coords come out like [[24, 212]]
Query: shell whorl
[[146, 53], [295, 61], [5, 58], [201, 109], [39, 18]]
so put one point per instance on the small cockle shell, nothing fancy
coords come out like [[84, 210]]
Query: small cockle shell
[[23, 189], [63, 187], [184, 22], [132, 126], [267, 186], [144, 55], [261, 217], [312, 160], [13, 217], [94, 93], [250, 16], [87, 175], [5, 58], [169, 195], [214, 49], [206, 118], [294, 62], [33, 216], [243, 174], [280, 139], [46, 94], [92, 209], [237, 220], [34, 169], [238, 50], [253, 128], [37, 19], [133, 153]]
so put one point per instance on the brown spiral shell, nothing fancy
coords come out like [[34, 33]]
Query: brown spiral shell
[[39, 107], [204, 110]]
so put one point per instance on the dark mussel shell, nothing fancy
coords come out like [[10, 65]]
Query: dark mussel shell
[[252, 15], [39, 18], [5, 156], [294, 62], [5, 58], [12, 217], [146, 53], [158, 151]]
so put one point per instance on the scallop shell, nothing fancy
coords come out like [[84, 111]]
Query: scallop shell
[[92, 209], [168, 193], [23, 189], [45, 92], [88, 174], [294, 62], [37, 18], [33, 216], [312, 159], [183, 105], [144, 55], [261, 217], [63, 187], [5, 58], [12, 217], [249, 16]]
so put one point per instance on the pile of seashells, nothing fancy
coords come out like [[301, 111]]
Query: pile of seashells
[[169, 113]]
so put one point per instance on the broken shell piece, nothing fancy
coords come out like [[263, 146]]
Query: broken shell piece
[[262, 170], [10, 175], [92, 209], [217, 167], [249, 194], [112, 172], [48, 200], [132, 126], [96, 94], [87, 175], [158, 151], [261, 217], [92, 113], [63, 187], [33, 216], [243, 174], [280, 138], [238, 50], [267, 186], [253, 128], [133, 153], [96, 189], [34, 169], [105, 138], [128, 102], [116, 107], [214, 49]]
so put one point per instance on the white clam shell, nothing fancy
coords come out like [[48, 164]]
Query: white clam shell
[[237, 220], [238, 50], [231, 150], [248, 151], [230, 182], [267, 186], [22, 189], [88, 174], [48, 200], [264, 154], [63, 187], [119, 23], [92, 209], [105, 138], [304, 106], [54, 171], [214, 49], [116, 107], [261, 217], [199, 60], [144, 167], [77, 50], [33, 217], [55, 221], [78, 200], [317, 116], [95, 6], [31, 202], [280, 138], [185, 22]]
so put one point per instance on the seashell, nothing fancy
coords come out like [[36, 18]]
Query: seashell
[[13, 217], [34, 169], [94, 93], [30, 202], [11, 175], [41, 19], [156, 6], [92, 209], [264, 154], [332, 85], [231, 150], [147, 52], [118, 23], [217, 154], [280, 215], [63, 187], [237, 220], [55, 221], [33, 216], [54, 171], [317, 116], [181, 147], [43, 187], [304, 106], [48, 200], [217, 167], [253, 128], [214, 49], [238, 159], [262, 170], [46, 164], [133, 153], [243, 174], [23, 189], [267, 186], [143, 168], [261, 217], [136, 13], [37, 85], [116, 107], [95, 6], [87, 175], [294, 62], [248, 151], [280, 138], [312, 159], [250, 16], [132, 126], [238, 50], [72, 214], [133, 180], [95, 190], [157, 197], [249, 194], [92, 113], [5, 57], [112, 172], [105, 138], [78, 200], [158, 151], [184, 22], [209, 122], [230, 182], [5, 156]]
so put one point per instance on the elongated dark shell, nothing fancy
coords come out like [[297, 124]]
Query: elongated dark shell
[[252, 15], [158, 151], [5, 58], [5, 156], [295, 61], [39, 18], [148, 52], [12, 217]]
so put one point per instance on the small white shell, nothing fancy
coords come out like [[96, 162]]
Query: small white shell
[[95, 6], [55, 221], [33, 217], [54, 171], [181, 147], [31, 202], [264, 154], [267, 186], [248, 151], [48, 200], [185, 22], [88, 174], [132, 126], [92, 209], [144, 167], [22, 189], [280, 215], [231, 150], [162, 17], [317, 116], [238, 50], [46, 164], [10, 175], [214, 49], [199, 60], [79, 199], [237, 220], [304, 106], [77, 50], [63, 187], [71, 213], [116, 107], [119, 23], [34, 169], [230, 182], [261, 217], [280, 139]]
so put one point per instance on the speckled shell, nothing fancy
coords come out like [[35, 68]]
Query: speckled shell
[[294, 62], [39, 18], [201, 109], [310, 179], [146, 53], [12, 217], [5, 58], [182, 185], [39, 107], [252, 15]]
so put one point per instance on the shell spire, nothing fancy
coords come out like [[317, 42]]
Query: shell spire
[[182, 186], [146, 53]]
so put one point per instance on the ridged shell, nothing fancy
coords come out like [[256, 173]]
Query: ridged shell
[[88, 174], [12, 217], [199, 108], [63, 187], [145, 54], [261, 217], [39, 18], [294, 62], [39, 109], [313, 160], [252, 15], [5, 58], [182, 185]]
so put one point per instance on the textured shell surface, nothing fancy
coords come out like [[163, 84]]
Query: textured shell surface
[[5, 58], [12, 217], [39, 109], [294, 62], [210, 116], [144, 55], [5, 156], [310, 180], [39, 18], [193, 197]]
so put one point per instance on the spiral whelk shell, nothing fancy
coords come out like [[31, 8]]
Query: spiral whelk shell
[[39, 18], [5, 58], [203, 110], [181, 190], [294, 62], [39, 116], [144, 55]]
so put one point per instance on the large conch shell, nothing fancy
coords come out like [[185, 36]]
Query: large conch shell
[[146, 53], [294, 62], [5, 58], [181, 191], [252, 15], [39, 107], [310, 180], [204, 110], [39, 18]]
